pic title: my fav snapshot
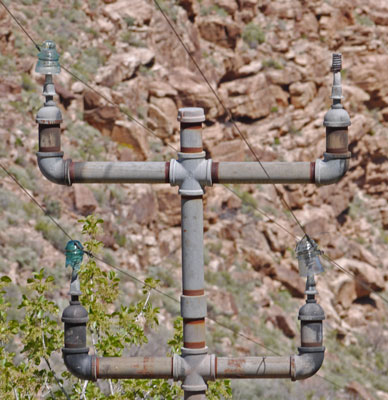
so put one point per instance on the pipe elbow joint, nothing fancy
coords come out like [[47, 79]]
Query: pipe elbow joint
[[79, 363], [330, 171], [307, 362], [54, 167]]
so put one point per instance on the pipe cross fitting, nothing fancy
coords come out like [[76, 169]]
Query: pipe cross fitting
[[194, 369], [191, 172]]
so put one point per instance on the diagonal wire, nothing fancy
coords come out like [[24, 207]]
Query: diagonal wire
[[135, 279], [230, 116], [112, 103], [19, 24], [126, 273], [32, 198], [279, 193], [270, 219], [332, 261]]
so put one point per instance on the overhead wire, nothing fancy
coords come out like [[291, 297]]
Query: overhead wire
[[90, 87], [230, 116], [126, 273]]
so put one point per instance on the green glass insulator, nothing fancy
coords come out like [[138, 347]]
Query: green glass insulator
[[48, 59], [74, 254]]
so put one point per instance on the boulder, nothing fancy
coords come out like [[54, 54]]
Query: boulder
[[140, 12], [359, 391], [223, 32], [132, 135], [283, 321], [302, 93], [122, 66], [84, 199], [169, 205], [233, 150], [290, 279], [249, 97], [162, 116]]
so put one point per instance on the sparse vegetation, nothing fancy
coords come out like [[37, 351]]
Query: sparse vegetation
[[253, 35]]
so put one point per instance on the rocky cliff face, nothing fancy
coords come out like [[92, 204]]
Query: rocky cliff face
[[269, 61]]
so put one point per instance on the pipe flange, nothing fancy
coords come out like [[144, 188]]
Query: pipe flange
[[318, 349], [185, 351], [334, 156], [49, 154], [75, 350], [194, 388]]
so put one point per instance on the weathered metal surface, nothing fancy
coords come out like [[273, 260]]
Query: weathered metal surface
[[253, 172], [134, 367], [253, 367]]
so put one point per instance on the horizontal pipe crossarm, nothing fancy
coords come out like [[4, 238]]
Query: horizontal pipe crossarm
[[253, 367], [118, 172], [134, 367], [67, 172], [253, 172]]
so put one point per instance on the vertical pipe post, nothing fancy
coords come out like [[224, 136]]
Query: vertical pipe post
[[193, 300]]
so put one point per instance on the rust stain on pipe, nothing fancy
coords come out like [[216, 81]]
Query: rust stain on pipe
[[198, 292], [214, 172], [312, 172], [194, 321], [167, 172], [194, 345], [71, 172], [191, 149], [191, 125]]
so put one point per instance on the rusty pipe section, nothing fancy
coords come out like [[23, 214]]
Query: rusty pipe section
[[89, 367], [253, 367], [134, 367]]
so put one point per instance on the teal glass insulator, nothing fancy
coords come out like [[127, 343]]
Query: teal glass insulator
[[74, 254], [307, 253], [48, 59]]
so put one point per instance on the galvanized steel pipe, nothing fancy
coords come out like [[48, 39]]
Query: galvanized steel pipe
[[118, 172], [253, 172]]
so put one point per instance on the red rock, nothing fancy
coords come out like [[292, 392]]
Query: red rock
[[282, 321], [222, 31], [85, 202]]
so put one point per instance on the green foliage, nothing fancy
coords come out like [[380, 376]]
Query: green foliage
[[253, 35], [36, 335], [271, 63]]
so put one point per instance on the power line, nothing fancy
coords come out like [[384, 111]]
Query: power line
[[19, 24], [112, 103], [229, 114], [126, 273], [332, 261]]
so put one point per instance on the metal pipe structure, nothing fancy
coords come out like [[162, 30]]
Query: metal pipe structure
[[267, 172], [193, 299], [191, 172]]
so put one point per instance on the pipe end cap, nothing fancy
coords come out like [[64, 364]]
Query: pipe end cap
[[191, 115], [336, 118]]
